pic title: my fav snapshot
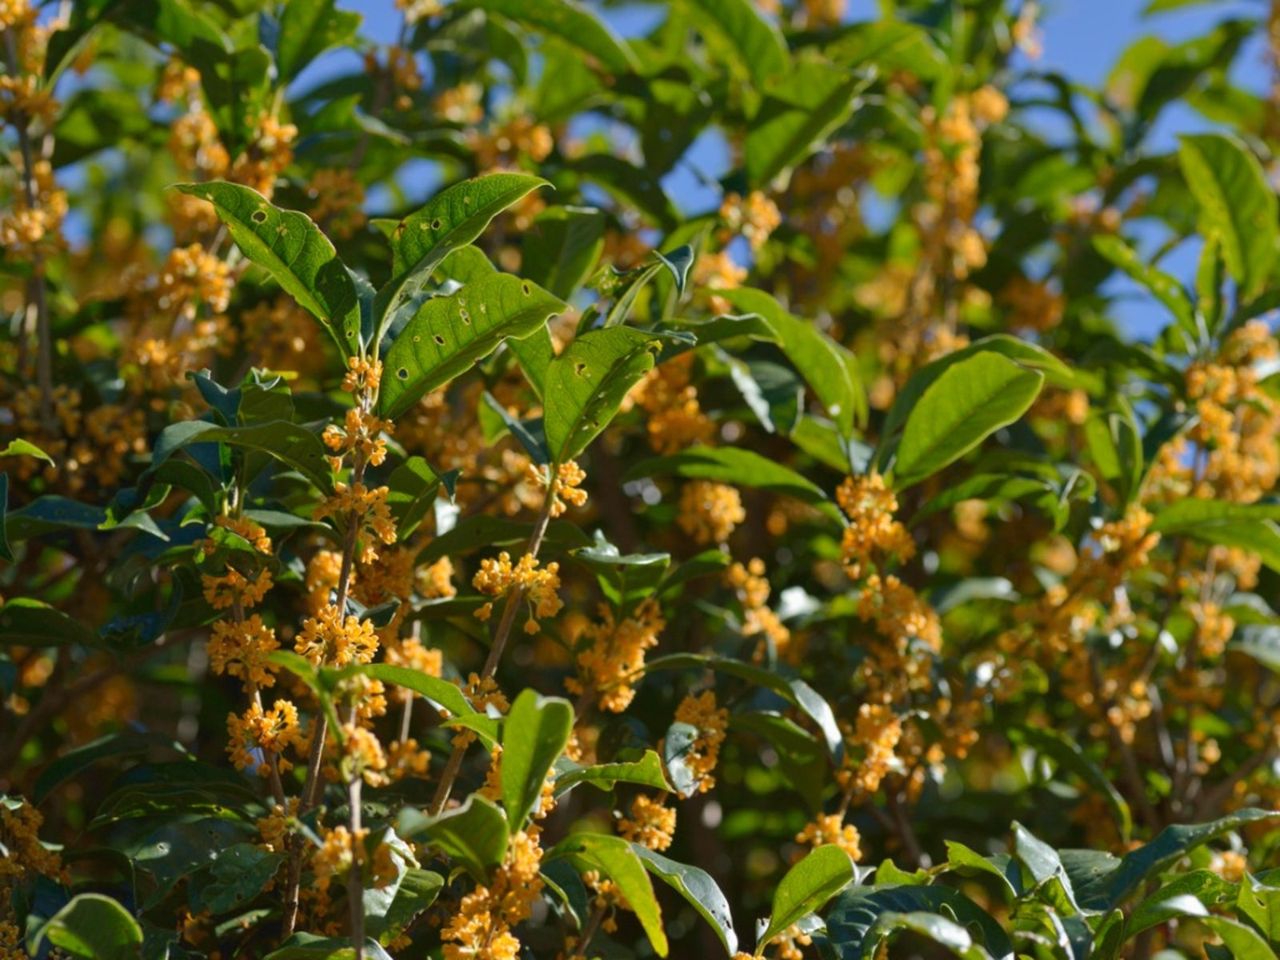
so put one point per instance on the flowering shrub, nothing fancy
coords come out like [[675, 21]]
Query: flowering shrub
[[590, 557]]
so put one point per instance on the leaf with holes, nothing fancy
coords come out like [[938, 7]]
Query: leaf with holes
[[449, 335], [588, 382], [421, 241], [289, 246]]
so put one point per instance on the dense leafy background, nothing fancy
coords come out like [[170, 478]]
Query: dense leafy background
[[890, 593]]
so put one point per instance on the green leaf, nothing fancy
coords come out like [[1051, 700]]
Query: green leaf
[[828, 368], [1068, 754], [624, 580], [966, 404], [855, 912], [291, 444], [412, 489], [761, 50], [443, 692], [568, 21], [417, 891], [797, 116], [239, 874], [31, 623], [95, 927], [481, 530], [562, 247], [963, 860], [1162, 286], [588, 382], [647, 772], [1112, 887], [891, 45], [806, 888], [451, 220], [1249, 526], [1261, 904], [475, 834], [733, 465], [533, 738], [618, 861], [307, 29], [698, 888], [1237, 205], [1243, 941], [289, 246], [946, 933], [447, 336], [127, 744]]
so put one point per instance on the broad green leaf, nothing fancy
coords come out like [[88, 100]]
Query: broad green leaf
[[1242, 940], [1055, 372], [308, 946], [734, 465], [806, 888], [698, 888], [436, 689], [1261, 904], [291, 444], [1250, 526], [932, 926], [647, 772], [855, 912], [891, 45], [965, 405], [533, 738], [94, 927], [627, 579], [1113, 887], [418, 890], [1186, 895], [965, 861], [615, 859], [797, 115], [562, 247], [1115, 445], [475, 834], [759, 45], [587, 383], [451, 220], [307, 29], [75, 761], [32, 623], [447, 336], [568, 21], [412, 489], [1237, 205], [1162, 286], [238, 875], [828, 368], [289, 246]]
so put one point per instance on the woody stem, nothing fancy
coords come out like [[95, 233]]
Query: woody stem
[[454, 763]]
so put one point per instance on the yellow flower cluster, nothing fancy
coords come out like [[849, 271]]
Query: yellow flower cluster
[[337, 201], [675, 419], [755, 218], [518, 137], [362, 433], [872, 532], [538, 586], [363, 756], [481, 927], [710, 511], [274, 827], [831, 829], [239, 648], [718, 271], [652, 823], [613, 657], [269, 731], [876, 734], [341, 849], [32, 226], [566, 490], [752, 587], [25, 855], [711, 722], [362, 376], [331, 640], [356, 503]]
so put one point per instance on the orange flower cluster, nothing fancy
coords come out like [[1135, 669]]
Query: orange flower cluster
[[758, 619], [710, 511], [331, 640], [259, 737], [652, 823], [831, 829], [872, 533], [675, 419], [711, 722], [481, 928], [538, 586], [612, 658]]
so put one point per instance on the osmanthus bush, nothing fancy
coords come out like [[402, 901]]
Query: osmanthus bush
[[598, 481]]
